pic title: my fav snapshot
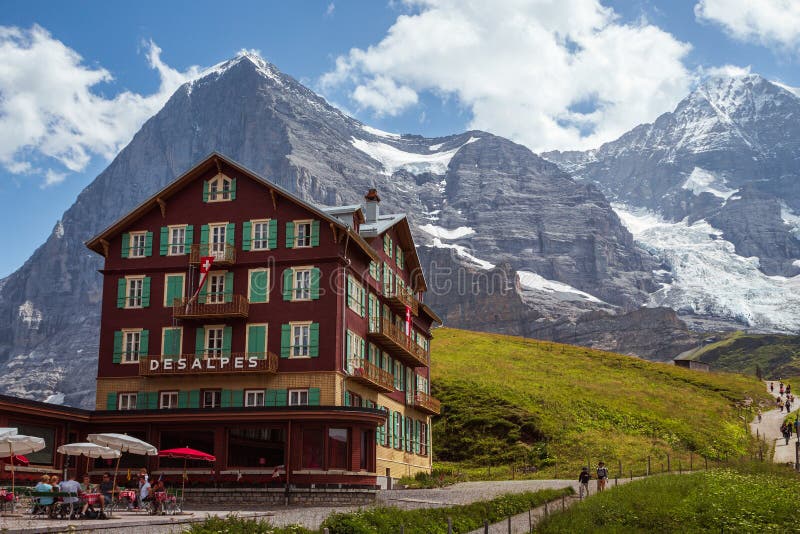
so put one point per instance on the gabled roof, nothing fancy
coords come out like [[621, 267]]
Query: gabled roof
[[383, 223], [214, 160]]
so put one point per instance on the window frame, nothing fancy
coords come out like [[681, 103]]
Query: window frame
[[171, 243], [264, 240], [247, 337], [248, 392], [356, 296], [220, 179], [302, 269], [310, 223], [166, 285], [131, 248], [299, 392], [164, 339], [218, 398], [218, 296], [218, 254], [206, 333], [167, 394], [134, 278], [124, 355], [127, 395], [292, 326], [266, 289]]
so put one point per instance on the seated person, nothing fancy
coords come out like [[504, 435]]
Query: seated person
[[88, 487], [54, 482], [70, 486], [144, 490], [107, 489], [44, 487], [158, 487]]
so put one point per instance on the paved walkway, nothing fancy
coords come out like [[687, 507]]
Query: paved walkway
[[769, 429]]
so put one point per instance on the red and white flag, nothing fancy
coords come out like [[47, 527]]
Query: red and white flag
[[205, 268], [408, 321]]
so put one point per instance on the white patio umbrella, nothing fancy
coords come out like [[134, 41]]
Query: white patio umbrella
[[19, 444], [123, 443], [6, 431], [90, 450]]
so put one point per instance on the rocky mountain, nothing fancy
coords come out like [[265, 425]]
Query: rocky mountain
[[535, 245], [713, 189]]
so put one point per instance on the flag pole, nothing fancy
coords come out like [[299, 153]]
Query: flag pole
[[13, 481]]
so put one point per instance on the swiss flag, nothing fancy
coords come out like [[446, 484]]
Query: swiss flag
[[408, 321], [205, 268]]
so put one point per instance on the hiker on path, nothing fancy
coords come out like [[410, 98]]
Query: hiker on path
[[781, 389], [583, 482], [759, 415], [788, 389], [602, 476], [786, 432], [788, 405], [772, 387], [797, 425], [780, 404]]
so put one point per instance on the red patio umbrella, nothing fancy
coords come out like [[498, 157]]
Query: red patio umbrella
[[18, 460], [187, 454]]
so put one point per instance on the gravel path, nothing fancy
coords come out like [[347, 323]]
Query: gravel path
[[770, 429]]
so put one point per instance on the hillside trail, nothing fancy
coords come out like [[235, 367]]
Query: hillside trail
[[769, 429]]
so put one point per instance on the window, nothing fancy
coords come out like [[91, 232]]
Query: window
[[374, 270], [258, 286], [217, 240], [173, 288], [355, 296], [397, 440], [409, 435], [212, 398], [254, 397], [398, 375], [131, 345], [399, 257], [256, 341], [256, 447], [134, 292], [355, 352], [171, 341], [313, 450], [387, 245], [301, 340], [216, 288], [221, 188], [302, 234], [168, 399], [423, 439], [214, 341], [138, 245], [260, 235], [126, 401], [298, 397], [302, 284], [177, 240], [337, 448]]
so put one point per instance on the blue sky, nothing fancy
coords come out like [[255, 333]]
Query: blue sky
[[386, 86]]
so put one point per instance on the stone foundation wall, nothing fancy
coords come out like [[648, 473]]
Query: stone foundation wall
[[261, 498]]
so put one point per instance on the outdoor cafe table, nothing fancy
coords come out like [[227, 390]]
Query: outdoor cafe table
[[91, 498]]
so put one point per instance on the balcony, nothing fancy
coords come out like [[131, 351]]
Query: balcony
[[400, 298], [222, 256], [237, 307], [193, 364], [369, 374], [394, 340], [427, 404]]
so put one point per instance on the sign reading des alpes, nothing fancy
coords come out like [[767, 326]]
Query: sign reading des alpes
[[194, 365]]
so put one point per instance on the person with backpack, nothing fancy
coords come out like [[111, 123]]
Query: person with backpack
[[771, 387], [602, 476], [583, 482]]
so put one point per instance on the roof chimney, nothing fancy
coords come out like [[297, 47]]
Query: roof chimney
[[372, 210]]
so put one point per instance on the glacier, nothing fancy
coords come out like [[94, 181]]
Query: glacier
[[709, 278]]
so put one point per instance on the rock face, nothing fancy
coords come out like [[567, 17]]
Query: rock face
[[729, 153], [474, 199]]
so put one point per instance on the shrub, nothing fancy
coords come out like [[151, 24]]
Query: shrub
[[234, 524]]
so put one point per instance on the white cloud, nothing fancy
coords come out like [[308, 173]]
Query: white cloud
[[772, 23], [330, 9], [50, 108], [52, 177], [550, 74]]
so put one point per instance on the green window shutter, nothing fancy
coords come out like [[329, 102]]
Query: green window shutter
[[416, 436], [146, 292], [122, 286], [144, 341], [361, 342], [288, 276], [229, 286], [395, 441], [347, 398], [194, 398], [256, 340], [315, 277], [258, 286], [230, 234], [348, 340], [126, 245], [204, 236], [226, 398], [172, 338], [189, 235], [148, 244], [141, 400], [313, 337], [183, 399], [237, 398], [174, 289], [152, 400], [313, 396], [200, 341], [227, 336], [363, 304], [233, 188], [111, 401], [314, 233], [270, 397], [272, 237], [290, 234], [117, 356], [286, 339], [163, 241], [247, 234], [281, 397], [206, 187]]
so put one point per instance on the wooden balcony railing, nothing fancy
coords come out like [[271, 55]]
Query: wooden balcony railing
[[400, 298], [395, 341], [371, 375], [223, 256], [197, 364], [428, 404], [237, 307]]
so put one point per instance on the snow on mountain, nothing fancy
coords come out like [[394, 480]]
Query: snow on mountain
[[709, 278], [791, 219], [394, 159], [444, 233], [703, 181], [463, 253], [534, 282], [380, 133]]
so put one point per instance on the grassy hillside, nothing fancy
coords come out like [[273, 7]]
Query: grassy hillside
[[776, 355], [515, 400]]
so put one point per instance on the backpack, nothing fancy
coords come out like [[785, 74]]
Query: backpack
[[602, 472]]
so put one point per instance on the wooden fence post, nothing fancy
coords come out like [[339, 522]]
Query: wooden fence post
[[563, 503], [449, 525], [485, 526], [530, 518], [691, 461], [648, 466], [706, 460], [669, 467], [620, 468]]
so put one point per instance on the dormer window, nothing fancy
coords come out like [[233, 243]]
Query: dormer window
[[221, 188]]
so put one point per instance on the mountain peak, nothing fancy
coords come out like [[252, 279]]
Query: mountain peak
[[736, 92], [248, 57]]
